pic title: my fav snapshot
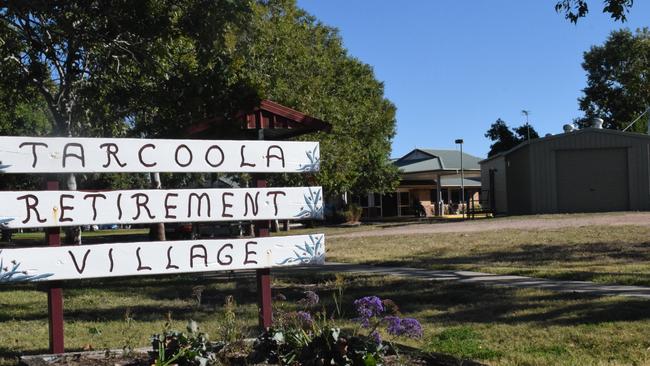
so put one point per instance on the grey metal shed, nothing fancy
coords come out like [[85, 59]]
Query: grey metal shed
[[588, 170]]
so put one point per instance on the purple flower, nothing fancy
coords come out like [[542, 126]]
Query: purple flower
[[367, 307], [412, 328], [376, 337], [394, 325], [304, 318], [311, 298], [407, 327]]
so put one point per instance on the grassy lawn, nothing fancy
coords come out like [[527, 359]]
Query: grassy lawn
[[496, 325], [88, 237], [612, 254], [502, 326]]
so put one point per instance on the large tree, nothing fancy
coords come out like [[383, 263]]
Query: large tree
[[154, 67], [96, 63], [573, 10], [296, 60], [504, 138], [618, 80]]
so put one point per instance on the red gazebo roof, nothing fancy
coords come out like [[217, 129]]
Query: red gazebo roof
[[269, 121]]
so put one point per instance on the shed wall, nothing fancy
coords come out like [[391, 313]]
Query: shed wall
[[498, 195], [544, 179]]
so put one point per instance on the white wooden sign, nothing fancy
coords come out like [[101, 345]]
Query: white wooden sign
[[150, 258], [72, 208], [122, 155]]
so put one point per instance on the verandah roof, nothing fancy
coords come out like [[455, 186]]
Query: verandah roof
[[428, 164]]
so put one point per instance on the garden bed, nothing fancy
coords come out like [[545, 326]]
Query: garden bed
[[141, 357]]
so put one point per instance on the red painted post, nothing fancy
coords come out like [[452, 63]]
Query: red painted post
[[263, 276], [55, 292]]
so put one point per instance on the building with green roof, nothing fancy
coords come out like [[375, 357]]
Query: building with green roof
[[430, 184]]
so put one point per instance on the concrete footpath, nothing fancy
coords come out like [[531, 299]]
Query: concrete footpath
[[462, 277]]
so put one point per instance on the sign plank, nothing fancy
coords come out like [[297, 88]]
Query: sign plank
[[33, 209], [115, 155], [163, 257]]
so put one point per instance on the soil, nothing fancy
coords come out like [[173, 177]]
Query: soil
[[548, 222], [142, 359], [87, 359]]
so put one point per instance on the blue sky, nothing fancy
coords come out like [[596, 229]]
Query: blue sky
[[452, 68]]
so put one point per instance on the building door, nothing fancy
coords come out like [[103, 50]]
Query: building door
[[592, 180], [389, 205]]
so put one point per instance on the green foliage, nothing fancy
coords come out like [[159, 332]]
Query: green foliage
[[231, 329], [184, 349], [505, 139], [575, 9], [306, 338], [618, 80], [69, 50], [461, 342], [129, 332], [295, 60], [22, 113], [322, 344], [153, 68], [353, 213]]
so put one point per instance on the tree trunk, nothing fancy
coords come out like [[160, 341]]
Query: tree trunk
[[156, 231], [72, 233]]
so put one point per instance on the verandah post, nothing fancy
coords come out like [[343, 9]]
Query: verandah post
[[55, 292]]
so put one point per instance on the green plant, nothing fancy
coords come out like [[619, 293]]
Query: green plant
[[337, 295], [96, 338], [129, 332], [353, 213], [230, 328], [184, 349], [302, 339]]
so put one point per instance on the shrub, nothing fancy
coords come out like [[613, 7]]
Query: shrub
[[353, 213], [185, 349], [304, 338]]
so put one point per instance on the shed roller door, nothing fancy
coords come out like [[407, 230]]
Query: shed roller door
[[592, 180]]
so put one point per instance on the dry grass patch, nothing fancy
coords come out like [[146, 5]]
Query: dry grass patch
[[613, 254]]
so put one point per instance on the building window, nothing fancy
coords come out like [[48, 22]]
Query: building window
[[364, 202], [405, 204], [377, 199], [370, 204]]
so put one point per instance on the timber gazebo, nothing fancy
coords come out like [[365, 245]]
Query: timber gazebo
[[266, 121]]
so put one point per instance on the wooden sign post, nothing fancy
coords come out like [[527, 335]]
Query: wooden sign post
[[55, 292], [52, 209], [263, 276]]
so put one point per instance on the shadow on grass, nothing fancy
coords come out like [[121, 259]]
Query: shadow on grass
[[549, 261], [456, 303], [447, 303], [450, 302]]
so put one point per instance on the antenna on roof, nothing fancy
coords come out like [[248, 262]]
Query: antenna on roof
[[638, 118], [526, 113]]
